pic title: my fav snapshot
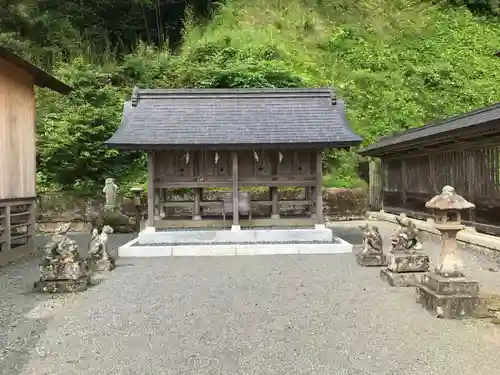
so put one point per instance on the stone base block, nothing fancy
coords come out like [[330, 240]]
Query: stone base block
[[63, 271], [371, 259], [102, 265], [450, 285], [63, 286], [408, 262], [402, 279], [447, 306]]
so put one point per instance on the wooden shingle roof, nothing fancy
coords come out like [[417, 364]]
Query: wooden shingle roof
[[231, 118], [463, 126]]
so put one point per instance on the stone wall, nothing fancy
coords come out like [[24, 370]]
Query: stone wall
[[52, 209]]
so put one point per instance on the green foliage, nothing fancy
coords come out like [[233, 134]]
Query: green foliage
[[72, 129], [397, 63], [485, 7], [48, 31], [341, 170]]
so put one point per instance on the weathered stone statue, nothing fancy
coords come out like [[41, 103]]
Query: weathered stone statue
[[111, 214], [372, 240], [62, 270], [372, 252], [99, 258], [111, 191], [52, 247], [406, 236], [405, 261]]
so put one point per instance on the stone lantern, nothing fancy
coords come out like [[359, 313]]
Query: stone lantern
[[137, 195], [446, 291]]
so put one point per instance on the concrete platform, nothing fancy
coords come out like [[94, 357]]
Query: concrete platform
[[213, 237], [134, 249]]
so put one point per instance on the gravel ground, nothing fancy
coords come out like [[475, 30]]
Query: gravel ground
[[296, 314], [24, 314]]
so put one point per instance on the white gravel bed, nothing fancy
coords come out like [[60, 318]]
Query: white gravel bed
[[294, 314]]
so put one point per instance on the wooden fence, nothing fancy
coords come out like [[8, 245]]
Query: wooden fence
[[17, 224]]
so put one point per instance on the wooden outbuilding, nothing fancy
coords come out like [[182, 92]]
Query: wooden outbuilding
[[18, 148], [462, 151], [233, 138]]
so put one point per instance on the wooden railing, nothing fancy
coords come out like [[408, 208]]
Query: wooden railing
[[17, 223]]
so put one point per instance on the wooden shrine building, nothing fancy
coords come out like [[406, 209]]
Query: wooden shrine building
[[462, 151], [18, 150], [233, 138]]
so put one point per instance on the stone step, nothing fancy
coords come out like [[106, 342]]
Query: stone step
[[133, 249]]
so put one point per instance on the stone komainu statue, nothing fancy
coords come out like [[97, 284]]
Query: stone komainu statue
[[406, 236], [372, 240], [98, 247], [53, 248]]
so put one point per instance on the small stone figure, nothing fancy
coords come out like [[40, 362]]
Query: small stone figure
[[110, 189], [372, 241], [404, 261], [372, 252], [62, 270], [406, 236], [99, 258], [52, 247]]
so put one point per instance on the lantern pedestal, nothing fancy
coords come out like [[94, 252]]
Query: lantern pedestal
[[448, 297], [404, 268], [447, 292]]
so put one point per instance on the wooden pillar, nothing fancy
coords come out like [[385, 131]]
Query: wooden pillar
[[197, 192], [7, 230], [151, 188], [403, 181], [275, 211], [383, 181], [273, 190], [197, 204], [375, 185], [312, 207], [432, 176], [31, 225], [319, 187], [471, 183], [236, 203]]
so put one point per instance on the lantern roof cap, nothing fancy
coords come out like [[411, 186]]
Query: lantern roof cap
[[449, 200]]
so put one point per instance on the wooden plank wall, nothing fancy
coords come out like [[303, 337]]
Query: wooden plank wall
[[173, 170], [376, 188], [17, 133], [411, 180]]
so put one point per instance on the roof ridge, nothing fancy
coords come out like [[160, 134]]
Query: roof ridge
[[41, 78], [187, 93], [443, 120]]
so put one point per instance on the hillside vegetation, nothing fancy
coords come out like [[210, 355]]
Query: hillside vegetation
[[396, 63]]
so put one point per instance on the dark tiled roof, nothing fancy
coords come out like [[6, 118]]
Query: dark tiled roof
[[42, 79], [446, 128], [233, 117]]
